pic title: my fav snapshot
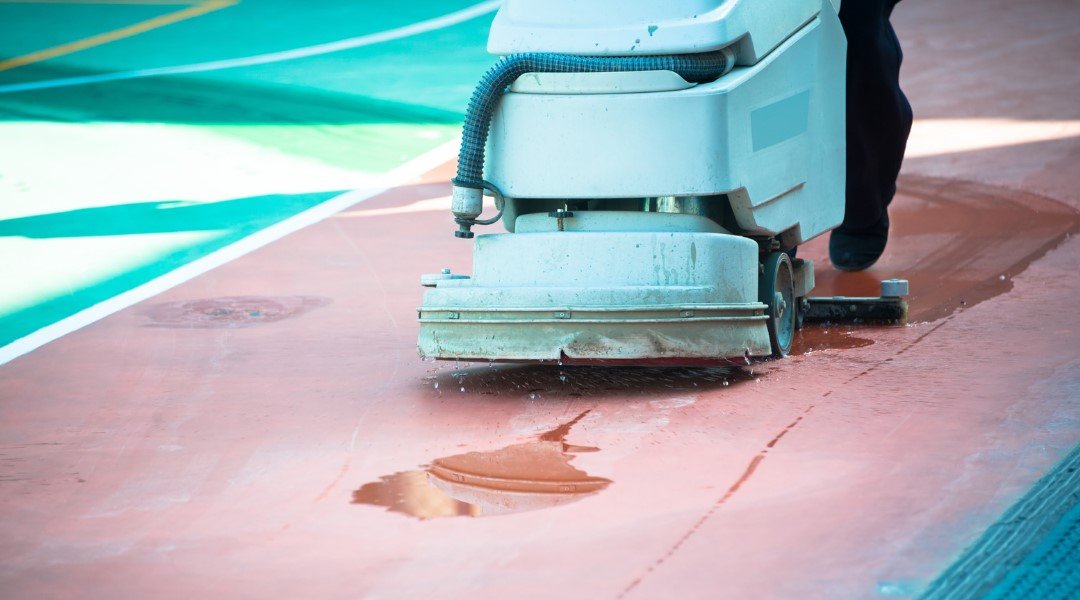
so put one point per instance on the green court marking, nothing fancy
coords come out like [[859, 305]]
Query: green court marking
[[338, 128], [108, 186]]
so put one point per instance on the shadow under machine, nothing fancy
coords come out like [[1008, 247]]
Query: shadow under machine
[[652, 163]]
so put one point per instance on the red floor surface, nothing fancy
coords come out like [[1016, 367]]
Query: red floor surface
[[264, 430]]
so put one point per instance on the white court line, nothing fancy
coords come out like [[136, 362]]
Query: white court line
[[410, 170], [442, 22]]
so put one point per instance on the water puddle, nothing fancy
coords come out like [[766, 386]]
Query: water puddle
[[824, 337], [231, 311], [959, 243], [521, 477]]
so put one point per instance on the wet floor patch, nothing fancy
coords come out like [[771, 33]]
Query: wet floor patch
[[545, 381], [747, 473], [521, 477], [959, 243], [231, 311], [812, 338]]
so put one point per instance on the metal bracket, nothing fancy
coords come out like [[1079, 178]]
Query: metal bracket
[[890, 307]]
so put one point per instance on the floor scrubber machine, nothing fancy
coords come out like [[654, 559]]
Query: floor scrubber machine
[[653, 164]]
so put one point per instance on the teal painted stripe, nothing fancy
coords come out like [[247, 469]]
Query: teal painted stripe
[[780, 121], [145, 240]]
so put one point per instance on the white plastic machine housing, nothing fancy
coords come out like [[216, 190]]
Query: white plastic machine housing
[[769, 135], [607, 285], [640, 27]]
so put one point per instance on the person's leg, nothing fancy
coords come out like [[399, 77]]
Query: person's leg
[[878, 123]]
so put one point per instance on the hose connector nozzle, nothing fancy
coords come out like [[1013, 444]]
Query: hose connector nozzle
[[466, 203]]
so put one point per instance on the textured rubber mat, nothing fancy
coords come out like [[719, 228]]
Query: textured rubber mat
[[1052, 570], [1032, 552]]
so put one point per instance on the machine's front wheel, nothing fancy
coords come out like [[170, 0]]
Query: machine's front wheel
[[777, 291]]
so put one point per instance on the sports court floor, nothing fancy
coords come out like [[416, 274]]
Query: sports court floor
[[213, 216]]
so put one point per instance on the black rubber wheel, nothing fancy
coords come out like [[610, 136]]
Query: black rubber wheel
[[777, 291]]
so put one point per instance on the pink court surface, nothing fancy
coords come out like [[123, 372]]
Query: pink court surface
[[266, 429]]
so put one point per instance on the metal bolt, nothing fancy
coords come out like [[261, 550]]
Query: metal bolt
[[559, 215], [894, 288]]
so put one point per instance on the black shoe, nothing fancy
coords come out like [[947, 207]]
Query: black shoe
[[858, 250]]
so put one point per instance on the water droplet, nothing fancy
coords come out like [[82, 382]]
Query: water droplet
[[463, 389], [725, 382], [1002, 278], [532, 395], [436, 385]]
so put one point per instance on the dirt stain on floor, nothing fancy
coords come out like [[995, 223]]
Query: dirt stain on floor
[[521, 477], [230, 311]]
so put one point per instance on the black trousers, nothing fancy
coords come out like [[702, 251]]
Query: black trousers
[[878, 113]]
